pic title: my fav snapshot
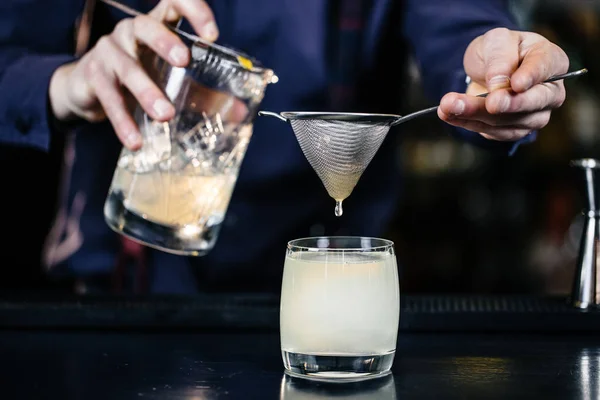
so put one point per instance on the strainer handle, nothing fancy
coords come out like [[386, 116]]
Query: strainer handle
[[434, 109], [417, 114], [272, 114]]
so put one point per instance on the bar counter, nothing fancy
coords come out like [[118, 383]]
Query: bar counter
[[227, 347]]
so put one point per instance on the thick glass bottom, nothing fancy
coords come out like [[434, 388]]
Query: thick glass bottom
[[185, 241], [337, 368]]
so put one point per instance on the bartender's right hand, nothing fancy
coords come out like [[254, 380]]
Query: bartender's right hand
[[98, 85]]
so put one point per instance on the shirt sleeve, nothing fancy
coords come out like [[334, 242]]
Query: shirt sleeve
[[439, 32], [35, 39], [24, 107]]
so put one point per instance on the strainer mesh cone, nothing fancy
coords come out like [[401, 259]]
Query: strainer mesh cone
[[339, 151]]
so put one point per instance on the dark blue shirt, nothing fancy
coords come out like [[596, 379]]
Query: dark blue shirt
[[278, 197]]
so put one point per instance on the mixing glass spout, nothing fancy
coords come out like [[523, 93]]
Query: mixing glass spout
[[272, 114]]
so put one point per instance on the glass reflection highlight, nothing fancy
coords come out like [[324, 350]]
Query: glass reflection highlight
[[301, 389]]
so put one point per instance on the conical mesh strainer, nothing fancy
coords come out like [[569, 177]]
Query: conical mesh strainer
[[339, 147]]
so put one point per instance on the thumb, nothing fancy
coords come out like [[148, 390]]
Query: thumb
[[500, 53]]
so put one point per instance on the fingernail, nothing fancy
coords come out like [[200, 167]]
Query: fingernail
[[178, 54], [503, 104], [210, 31], [132, 140], [458, 107], [162, 108], [499, 82]]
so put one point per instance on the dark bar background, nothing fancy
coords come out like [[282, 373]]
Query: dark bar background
[[468, 222]]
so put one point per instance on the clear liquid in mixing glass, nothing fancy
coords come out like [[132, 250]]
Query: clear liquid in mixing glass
[[185, 218], [171, 199]]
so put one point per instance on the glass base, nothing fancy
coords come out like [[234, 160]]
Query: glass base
[[197, 241], [337, 368]]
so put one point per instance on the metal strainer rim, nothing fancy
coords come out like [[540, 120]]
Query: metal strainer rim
[[336, 116]]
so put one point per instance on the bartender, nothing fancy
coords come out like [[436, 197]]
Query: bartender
[[337, 55]]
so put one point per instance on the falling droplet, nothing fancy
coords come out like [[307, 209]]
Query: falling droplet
[[338, 208]]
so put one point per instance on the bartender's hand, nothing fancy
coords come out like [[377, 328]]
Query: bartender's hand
[[512, 65], [101, 83]]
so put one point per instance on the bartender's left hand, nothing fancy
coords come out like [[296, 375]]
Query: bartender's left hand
[[512, 65]]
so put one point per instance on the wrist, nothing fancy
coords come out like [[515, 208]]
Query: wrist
[[61, 117], [58, 97]]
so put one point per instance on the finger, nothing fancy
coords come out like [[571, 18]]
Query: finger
[[474, 109], [161, 40], [503, 103], [165, 12], [197, 12], [123, 34], [500, 53], [148, 31], [542, 60], [458, 105], [541, 97], [531, 121], [504, 133], [113, 102], [136, 80]]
